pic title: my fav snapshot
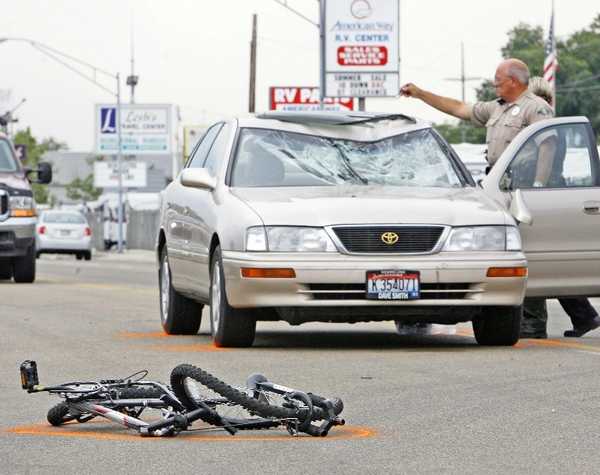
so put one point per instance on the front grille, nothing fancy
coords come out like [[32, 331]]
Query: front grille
[[368, 239], [433, 291]]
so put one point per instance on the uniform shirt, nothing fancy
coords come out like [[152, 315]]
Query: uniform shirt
[[504, 120]]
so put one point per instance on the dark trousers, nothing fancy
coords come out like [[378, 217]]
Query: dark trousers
[[579, 310], [535, 313]]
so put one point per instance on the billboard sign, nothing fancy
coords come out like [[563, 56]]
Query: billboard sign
[[145, 129], [134, 174], [361, 47], [295, 99]]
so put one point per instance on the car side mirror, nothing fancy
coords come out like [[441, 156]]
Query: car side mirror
[[519, 209], [198, 178], [43, 172]]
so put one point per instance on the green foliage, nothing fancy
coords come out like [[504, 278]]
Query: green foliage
[[83, 190], [463, 132], [35, 150]]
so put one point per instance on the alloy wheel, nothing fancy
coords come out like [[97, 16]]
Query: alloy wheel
[[215, 297], [165, 285]]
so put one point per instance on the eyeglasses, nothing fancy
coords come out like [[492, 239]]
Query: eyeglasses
[[502, 81]]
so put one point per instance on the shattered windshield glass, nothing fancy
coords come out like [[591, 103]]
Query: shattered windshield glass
[[279, 158]]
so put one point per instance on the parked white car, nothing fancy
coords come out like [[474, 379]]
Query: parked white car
[[64, 232], [359, 217]]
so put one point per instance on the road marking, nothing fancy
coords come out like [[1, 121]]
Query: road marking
[[191, 348], [143, 335], [43, 429]]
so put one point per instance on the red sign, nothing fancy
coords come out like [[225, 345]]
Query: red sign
[[305, 99], [360, 55]]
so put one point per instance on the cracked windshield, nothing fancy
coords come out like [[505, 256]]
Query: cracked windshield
[[277, 158]]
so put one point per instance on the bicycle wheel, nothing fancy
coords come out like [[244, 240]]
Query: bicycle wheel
[[267, 405], [190, 390], [139, 392], [59, 414]]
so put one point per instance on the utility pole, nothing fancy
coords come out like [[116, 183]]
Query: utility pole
[[463, 79], [252, 92]]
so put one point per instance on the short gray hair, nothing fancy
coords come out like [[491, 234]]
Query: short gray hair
[[519, 71]]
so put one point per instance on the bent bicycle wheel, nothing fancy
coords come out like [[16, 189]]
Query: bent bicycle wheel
[[188, 385], [265, 405]]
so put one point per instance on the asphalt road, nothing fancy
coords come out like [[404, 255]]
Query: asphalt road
[[414, 404]]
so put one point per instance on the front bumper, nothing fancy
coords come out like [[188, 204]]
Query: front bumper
[[452, 279], [16, 236]]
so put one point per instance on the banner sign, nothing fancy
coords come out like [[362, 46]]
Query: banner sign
[[361, 47], [295, 99], [134, 174], [145, 129]]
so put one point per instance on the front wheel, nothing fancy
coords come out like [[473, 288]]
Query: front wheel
[[24, 266], [499, 326], [179, 315], [59, 414], [229, 326]]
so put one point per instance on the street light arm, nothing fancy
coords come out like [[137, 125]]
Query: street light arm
[[284, 4], [75, 70]]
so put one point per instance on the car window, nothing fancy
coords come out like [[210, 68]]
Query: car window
[[559, 156], [280, 158], [199, 156], [218, 150], [63, 218], [7, 161]]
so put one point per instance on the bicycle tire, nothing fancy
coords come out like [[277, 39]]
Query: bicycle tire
[[58, 414], [253, 405], [139, 392]]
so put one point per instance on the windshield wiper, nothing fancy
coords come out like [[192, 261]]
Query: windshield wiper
[[377, 118]]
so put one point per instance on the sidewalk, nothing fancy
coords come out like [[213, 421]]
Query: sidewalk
[[128, 255]]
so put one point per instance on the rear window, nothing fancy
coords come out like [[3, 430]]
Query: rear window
[[7, 161], [64, 218]]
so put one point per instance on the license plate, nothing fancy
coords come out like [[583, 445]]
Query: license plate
[[393, 285], [65, 232]]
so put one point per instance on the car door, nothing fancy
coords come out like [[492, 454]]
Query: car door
[[204, 214], [177, 220], [553, 166]]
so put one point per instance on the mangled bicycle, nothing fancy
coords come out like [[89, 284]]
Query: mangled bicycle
[[193, 395]]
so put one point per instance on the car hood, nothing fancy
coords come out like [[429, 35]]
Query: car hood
[[14, 180], [325, 206]]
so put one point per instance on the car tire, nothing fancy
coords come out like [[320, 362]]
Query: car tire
[[78, 256], [179, 315], [6, 271], [24, 267], [87, 255], [499, 326], [230, 327]]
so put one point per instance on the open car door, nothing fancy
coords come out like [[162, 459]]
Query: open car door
[[549, 177]]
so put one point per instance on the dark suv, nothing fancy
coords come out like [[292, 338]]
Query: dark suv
[[18, 214]]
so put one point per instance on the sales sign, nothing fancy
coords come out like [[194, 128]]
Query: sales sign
[[134, 174], [361, 46], [145, 129], [294, 99]]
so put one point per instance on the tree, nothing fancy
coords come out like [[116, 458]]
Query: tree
[[35, 151], [83, 190]]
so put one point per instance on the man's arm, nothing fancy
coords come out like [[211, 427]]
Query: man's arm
[[445, 104]]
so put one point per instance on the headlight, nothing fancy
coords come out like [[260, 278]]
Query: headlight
[[484, 238], [288, 239], [22, 206]]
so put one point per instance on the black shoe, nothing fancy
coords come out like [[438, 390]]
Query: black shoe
[[583, 329], [537, 335]]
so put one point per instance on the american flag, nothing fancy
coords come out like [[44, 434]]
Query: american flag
[[551, 61]]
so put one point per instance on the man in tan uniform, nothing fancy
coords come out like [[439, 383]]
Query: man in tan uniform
[[505, 117]]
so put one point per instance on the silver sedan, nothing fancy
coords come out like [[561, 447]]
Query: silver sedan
[[64, 232], [363, 217]]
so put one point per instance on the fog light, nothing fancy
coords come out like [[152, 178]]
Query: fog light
[[273, 273], [507, 272]]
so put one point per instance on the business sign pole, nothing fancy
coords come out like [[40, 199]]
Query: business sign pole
[[119, 167]]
